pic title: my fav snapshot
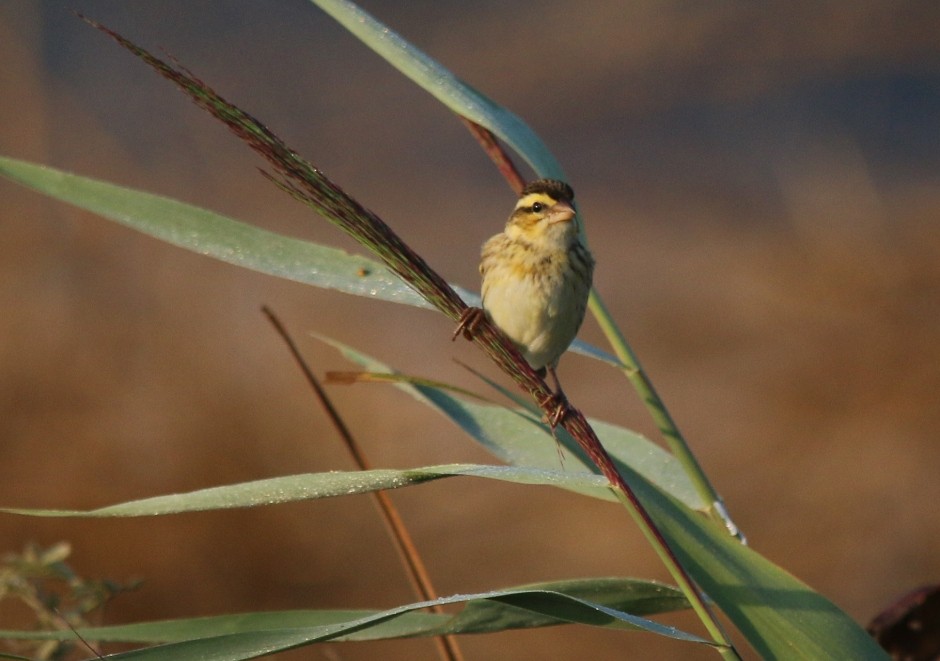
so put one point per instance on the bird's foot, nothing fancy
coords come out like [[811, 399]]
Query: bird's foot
[[467, 325], [559, 406]]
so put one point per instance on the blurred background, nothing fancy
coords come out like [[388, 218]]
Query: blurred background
[[760, 187]]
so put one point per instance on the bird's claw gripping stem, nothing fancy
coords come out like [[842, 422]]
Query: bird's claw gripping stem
[[467, 325]]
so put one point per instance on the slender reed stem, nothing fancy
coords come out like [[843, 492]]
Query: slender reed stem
[[416, 571], [497, 154], [661, 416], [91, 648]]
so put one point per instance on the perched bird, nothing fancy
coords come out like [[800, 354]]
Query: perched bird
[[536, 279]]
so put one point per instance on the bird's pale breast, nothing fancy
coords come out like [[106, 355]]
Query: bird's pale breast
[[536, 298]]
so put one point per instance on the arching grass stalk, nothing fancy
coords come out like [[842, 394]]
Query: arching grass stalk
[[300, 179], [415, 570], [661, 416]]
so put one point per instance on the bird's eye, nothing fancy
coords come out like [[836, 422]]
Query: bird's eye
[[537, 207]]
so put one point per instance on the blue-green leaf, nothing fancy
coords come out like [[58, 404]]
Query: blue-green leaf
[[532, 606], [498, 610], [444, 85], [232, 241], [781, 616], [311, 486], [217, 236], [518, 437]]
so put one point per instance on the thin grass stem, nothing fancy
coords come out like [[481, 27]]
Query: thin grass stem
[[408, 553]]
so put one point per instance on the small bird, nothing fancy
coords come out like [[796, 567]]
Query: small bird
[[536, 280]]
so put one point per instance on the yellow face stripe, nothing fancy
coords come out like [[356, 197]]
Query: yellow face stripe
[[532, 198]]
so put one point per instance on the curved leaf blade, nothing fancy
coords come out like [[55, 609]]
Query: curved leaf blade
[[215, 235], [780, 616], [499, 610], [443, 85], [545, 606], [232, 241], [312, 486], [519, 438]]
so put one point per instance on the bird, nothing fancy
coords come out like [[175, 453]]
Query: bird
[[536, 278]]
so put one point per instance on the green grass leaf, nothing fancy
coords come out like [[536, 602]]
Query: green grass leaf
[[518, 437], [312, 486], [607, 601], [444, 85], [214, 235], [250, 635], [217, 236], [780, 616]]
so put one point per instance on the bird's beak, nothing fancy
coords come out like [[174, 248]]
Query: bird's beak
[[561, 212]]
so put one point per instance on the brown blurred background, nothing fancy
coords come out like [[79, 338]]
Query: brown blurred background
[[760, 184]]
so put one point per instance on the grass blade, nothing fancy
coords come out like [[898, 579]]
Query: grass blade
[[519, 438], [498, 610], [780, 616], [444, 85], [312, 486], [215, 235], [232, 241]]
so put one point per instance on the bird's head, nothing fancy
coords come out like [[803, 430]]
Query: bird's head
[[544, 212]]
